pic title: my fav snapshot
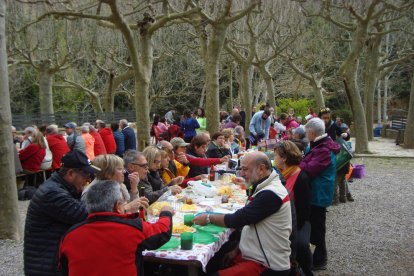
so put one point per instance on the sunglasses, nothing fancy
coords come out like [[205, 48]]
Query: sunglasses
[[144, 166]]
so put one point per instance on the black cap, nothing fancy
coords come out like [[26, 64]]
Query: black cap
[[76, 159]]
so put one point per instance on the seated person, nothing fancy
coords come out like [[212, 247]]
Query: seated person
[[218, 147], [114, 240], [31, 157], [266, 221], [196, 155], [229, 140], [112, 168], [154, 185]]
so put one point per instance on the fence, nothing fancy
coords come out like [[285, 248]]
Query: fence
[[20, 121]]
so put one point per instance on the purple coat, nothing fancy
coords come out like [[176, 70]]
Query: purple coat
[[319, 156]]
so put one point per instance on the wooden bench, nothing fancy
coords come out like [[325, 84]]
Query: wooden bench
[[399, 123], [26, 175]]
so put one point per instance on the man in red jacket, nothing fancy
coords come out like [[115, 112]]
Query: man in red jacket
[[110, 242], [57, 145], [107, 137]]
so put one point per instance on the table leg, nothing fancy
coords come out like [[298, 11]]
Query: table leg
[[192, 270]]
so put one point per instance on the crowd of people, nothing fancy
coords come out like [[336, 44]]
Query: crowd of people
[[101, 184]]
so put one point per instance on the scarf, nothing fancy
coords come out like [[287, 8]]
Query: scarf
[[289, 171], [291, 174]]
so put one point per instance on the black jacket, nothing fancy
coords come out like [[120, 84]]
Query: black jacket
[[214, 151], [54, 208]]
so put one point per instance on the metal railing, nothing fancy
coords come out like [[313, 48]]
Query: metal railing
[[20, 121]]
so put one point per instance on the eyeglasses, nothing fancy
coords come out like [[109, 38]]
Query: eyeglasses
[[144, 166]]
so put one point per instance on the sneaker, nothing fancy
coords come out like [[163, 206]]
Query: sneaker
[[319, 267], [349, 197]]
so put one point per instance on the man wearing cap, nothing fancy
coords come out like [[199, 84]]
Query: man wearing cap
[[74, 140], [54, 208]]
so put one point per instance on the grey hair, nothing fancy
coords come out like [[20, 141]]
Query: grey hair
[[238, 130], [130, 156], [52, 129], [123, 122], [85, 129], [92, 128], [316, 125], [102, 196]]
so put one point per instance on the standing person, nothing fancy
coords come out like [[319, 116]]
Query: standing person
[[266, 222], [259, 126], [129, 135], [107, 137], [89, 142], [175, 130], [169, 116], [74, 140], [98, 146], [242, 115], [287, 160], [189, 126], [57, 145], [32, 156], [333, 130], [119, 139], [201, 119], [54, 208], [288, 121], [115, 240], [320, 164]]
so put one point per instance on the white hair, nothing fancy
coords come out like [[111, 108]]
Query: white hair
[[85, 129], [102, 196], [316, 125]]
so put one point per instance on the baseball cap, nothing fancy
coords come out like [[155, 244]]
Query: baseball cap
[[70, 125], [76, 159], [178, 142]]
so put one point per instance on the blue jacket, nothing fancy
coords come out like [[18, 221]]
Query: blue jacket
[[320, 164], [188, 126], [129, 138], [120, 143], [260, 126]]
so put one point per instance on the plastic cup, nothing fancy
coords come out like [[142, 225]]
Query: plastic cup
[[186, 241], [188, 219]]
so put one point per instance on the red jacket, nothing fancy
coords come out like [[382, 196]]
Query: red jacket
[[111, 244], [99, 146], [31, 157], [175, 131], [108, 140], [272, 133], [58, 147]]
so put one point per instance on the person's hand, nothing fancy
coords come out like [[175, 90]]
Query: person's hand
[[134, 180], [175, 189], [182, 158], [200, 219], [168, 209], [201, 177], [134, 205], [177, 180], [224, 159], [239, 180]]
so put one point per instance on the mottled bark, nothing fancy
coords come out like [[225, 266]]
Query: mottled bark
[[318, 92], [246, 92], [409, 129], [348, 71], [46, 92], [370, 80], [267, 77], [10, 226]]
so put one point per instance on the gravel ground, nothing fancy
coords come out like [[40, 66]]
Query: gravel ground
[[374, 235]]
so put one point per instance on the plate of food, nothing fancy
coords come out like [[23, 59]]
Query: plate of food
[[189, 208], [182, 228], [155, 208]]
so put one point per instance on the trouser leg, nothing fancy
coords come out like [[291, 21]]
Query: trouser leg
[[318, 232], [303, 254]]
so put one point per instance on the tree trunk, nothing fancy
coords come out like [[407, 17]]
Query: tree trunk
[[348, 71], [409, 129], [246, 93], [385, 100], [231, 88], [10, 227], [46, 92], [318, 92], [143, 90], [379, 117], [109, 96], [211, 67], [269, 86], [370, 79], [203, 94]]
